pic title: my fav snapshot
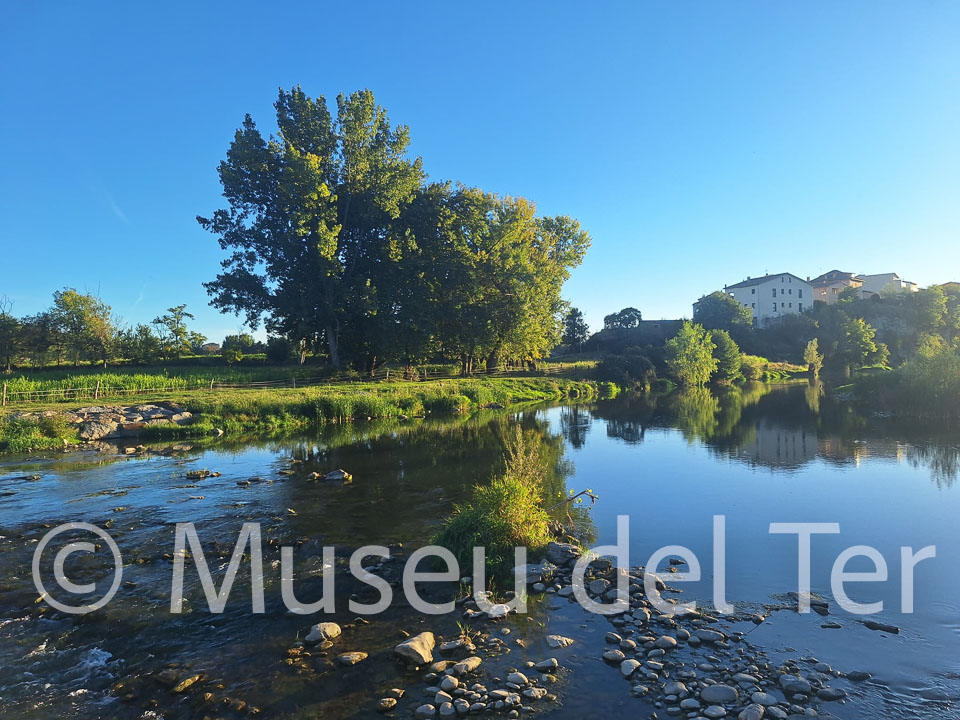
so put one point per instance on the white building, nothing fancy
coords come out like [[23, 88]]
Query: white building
[[772, 296], [885, 283]]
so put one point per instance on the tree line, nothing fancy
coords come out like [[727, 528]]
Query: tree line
[[81, 328], [337, 241], [722, 344]]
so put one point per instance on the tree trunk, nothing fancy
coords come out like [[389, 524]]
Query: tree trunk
[[332, 345], [493, 361]]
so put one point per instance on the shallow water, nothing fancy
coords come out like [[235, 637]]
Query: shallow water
[[761, 455]]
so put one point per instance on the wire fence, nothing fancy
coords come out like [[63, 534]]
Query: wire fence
[[104, 392]]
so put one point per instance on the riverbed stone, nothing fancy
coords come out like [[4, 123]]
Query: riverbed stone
[[351, 658], [830, 693], [719, 694], [417, 650], [425, 712], [467, 665], [386, 704], [322, 631], [559, 641], [794, 684], [752, 712], [560, 554]]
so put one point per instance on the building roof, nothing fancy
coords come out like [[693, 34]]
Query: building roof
[[750, 282], [833, 276]]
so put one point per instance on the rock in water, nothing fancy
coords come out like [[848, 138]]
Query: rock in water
[[351, 658], [719, 695], [340, 475], [418, 650], [322, 631], [559, 641]]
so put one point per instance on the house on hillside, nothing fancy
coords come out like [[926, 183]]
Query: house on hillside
[[827, 287], [772, 296], [885, 283]]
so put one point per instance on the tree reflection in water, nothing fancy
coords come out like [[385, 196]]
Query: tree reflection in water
[[781, 426]]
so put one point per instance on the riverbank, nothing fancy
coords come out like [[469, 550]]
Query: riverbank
[[198, 413]]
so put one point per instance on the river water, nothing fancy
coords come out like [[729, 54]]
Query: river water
[[672, 464]]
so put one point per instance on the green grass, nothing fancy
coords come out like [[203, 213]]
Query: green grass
[[236, 411], [21, 435], [275, 410], [503, 515]]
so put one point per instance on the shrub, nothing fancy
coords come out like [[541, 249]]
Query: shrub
[[503, 515]]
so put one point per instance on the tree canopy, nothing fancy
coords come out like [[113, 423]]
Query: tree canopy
[[335, 237]]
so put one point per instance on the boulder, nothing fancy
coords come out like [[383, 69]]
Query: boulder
[[96, 429], [560, 554], [417, 650], [322, 631]]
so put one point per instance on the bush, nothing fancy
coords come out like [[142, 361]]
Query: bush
[[608, 390], [21, 435]]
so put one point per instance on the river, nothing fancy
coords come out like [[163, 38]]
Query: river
[[671, 463]]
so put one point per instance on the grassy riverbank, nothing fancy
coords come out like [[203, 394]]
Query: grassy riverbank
[[272, 410]]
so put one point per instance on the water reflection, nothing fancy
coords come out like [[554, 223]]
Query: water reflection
[[782, 427]]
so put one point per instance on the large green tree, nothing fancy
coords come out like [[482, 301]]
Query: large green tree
[[309, 218], [689, 355], [86, 325], [719, 311], [727, 354]]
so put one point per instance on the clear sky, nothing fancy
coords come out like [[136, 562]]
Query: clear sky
[[697, 142]]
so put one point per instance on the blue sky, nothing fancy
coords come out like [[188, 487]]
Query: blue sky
[[698, 142]]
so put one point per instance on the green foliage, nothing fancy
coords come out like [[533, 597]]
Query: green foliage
[[21, 435], [813, 357], [631, 369], [336, 239], [575, 329], [85, 324], [627, 318], [927, 385], [727, 354], [689, 355], [280, 349], [608, 390], [505, 514], [175, 338], [719, 311]]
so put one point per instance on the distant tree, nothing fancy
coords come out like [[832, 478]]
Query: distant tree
[[719, 311], [174, 336], [140, 345], [627, 318], [11, 333], [727, 354], [813, 357], [849, 295], [196, 341], [932, 312], [575, 328], [689, 355], [856, 344], [280, 349], [86, 325]]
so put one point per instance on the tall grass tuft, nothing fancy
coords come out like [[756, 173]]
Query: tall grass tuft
[[503, 515]]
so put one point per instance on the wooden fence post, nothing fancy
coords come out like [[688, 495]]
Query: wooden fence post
[[294, 382], [4, 394], [96, 392], [211, 383]]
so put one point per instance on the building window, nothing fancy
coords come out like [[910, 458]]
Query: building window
[[774, 307], [774, 292], [781, 305], [800, 307], [790, 291], [791, 305], [753, 305], [753, 291], [799, 292]]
